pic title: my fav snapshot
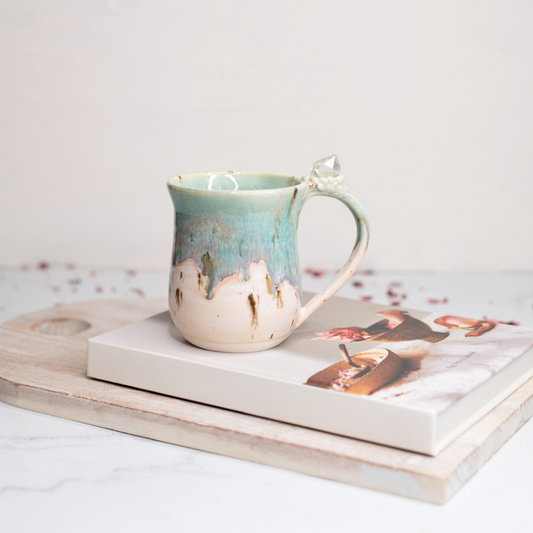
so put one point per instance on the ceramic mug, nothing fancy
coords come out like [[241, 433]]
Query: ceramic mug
[[235, 280]]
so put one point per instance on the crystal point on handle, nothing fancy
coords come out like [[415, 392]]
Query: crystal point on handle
[[326, 167], [325, 176]]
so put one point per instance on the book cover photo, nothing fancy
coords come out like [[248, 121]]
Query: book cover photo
[[430, 363]]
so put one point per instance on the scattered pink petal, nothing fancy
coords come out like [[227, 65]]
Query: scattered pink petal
[[366, 298], [496, 321], [131, 272], [24, 267], [140, 292], [357, 284], [395, 302], [98, 289], [399, 394], [437, 301], [316, 273], [93, 273], [391, 293], [43, 265]]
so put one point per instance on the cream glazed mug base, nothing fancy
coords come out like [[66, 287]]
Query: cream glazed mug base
[[243, 316]]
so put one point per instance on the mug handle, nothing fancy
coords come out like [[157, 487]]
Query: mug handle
[[336, 188]]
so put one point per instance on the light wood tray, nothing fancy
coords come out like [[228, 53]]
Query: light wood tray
[[43, 363]]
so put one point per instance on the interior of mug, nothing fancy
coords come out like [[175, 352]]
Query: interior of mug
[[232, 181]]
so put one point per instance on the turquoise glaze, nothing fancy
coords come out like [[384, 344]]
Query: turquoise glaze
[[226, 221]]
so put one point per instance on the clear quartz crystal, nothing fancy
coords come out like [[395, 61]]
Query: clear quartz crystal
[[325, 176], [327, 167]]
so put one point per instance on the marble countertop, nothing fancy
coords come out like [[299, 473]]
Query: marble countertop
[[58, 475]]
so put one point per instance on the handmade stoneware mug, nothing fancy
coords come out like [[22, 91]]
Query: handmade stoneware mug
[[235, 279]]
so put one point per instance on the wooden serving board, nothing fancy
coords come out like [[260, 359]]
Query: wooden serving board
[[43, 363]]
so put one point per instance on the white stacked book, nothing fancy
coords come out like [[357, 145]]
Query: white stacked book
[[404, 378]]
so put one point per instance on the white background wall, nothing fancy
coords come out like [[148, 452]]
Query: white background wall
[[429, 106]]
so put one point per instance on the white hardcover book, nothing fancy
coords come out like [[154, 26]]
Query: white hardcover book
[[403, 378]]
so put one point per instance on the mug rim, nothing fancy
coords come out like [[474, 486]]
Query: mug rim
[[173, 185]]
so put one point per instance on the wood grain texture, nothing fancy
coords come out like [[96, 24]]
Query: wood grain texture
[[47, 373]]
